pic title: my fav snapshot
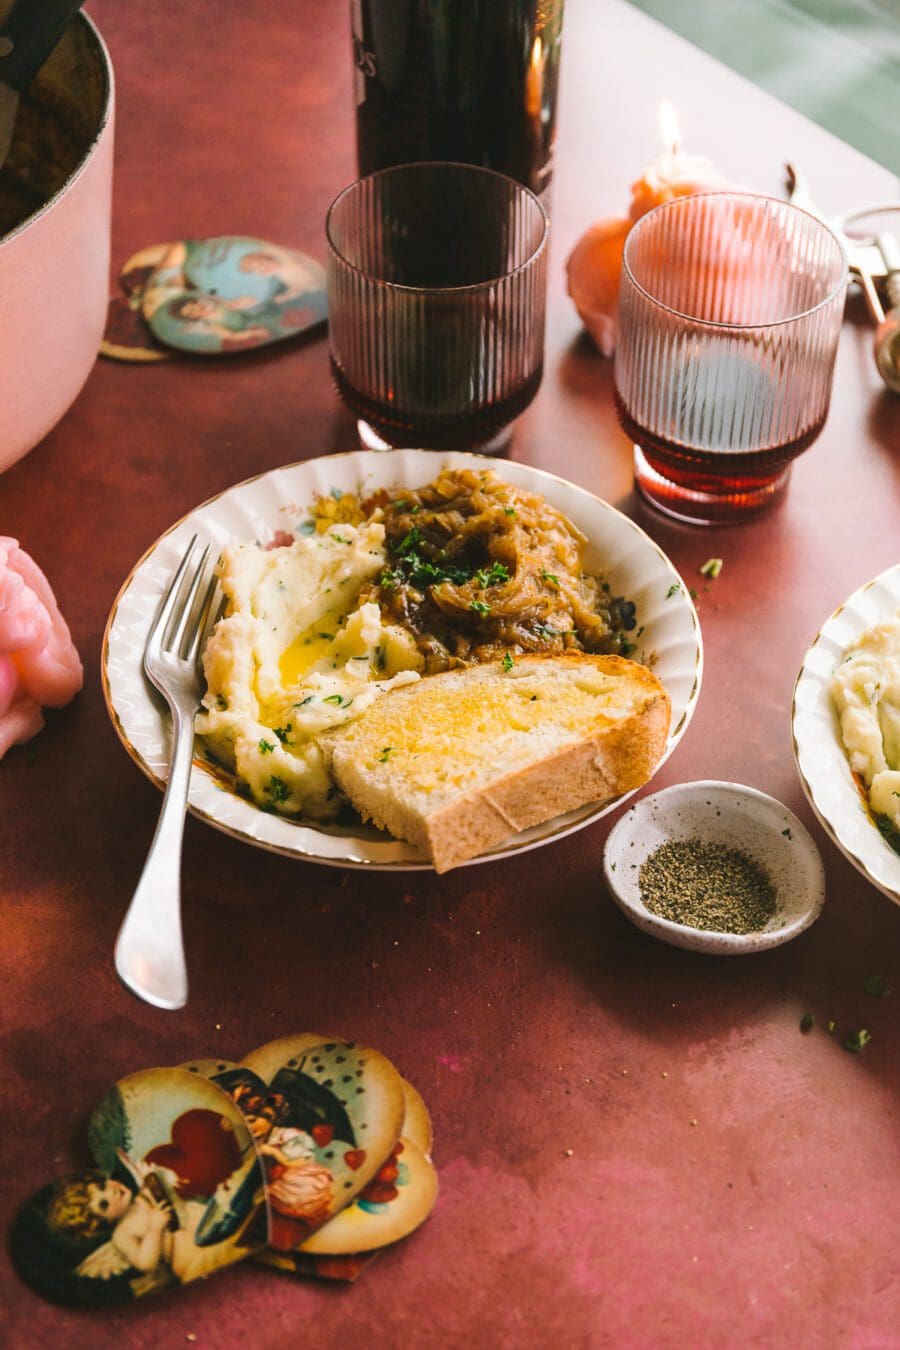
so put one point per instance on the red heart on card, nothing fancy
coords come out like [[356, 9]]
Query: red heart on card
[[323, 1134], [201, 1152], [354, 1158]]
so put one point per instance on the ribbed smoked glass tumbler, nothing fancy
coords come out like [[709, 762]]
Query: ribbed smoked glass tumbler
[[729, 315], [436, 290]]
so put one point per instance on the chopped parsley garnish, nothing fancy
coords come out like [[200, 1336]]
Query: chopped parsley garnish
[[283, 732], [711, 568], [409, 543], [673, 589], [856, 1040], [547, 630], [303, 702], [507, 662], [493, 575], [509, 510], [329, 637], [626, 647], [342, 539], [266, 747], [786, 834], [693, 593], [337, 699], [418, 563], [551, 577], [806, 1022], [278, 789], [480, 607], [877, 985], [386, 752]]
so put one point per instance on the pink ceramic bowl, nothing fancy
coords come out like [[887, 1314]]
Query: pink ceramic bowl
[[55, 213]]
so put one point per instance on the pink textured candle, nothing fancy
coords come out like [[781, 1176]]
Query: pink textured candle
[[594, 266]]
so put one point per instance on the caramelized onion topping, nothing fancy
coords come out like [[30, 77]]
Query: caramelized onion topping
[[478, 568]]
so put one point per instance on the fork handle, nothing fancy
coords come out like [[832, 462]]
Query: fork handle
[[149, 954]]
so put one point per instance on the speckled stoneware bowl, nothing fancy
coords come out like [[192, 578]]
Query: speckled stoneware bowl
[[719, 813]]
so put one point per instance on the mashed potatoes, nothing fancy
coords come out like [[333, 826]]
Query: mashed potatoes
[[294, 655], [866, 691]]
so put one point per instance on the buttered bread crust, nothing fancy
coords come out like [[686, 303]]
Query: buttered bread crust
[[459, 761]]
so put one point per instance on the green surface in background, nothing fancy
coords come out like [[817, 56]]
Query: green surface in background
[[837, 61]]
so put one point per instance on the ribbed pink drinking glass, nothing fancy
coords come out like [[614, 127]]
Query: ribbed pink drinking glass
[[729, 314], [436, 292]]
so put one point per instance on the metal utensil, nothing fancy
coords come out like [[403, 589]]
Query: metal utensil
[[149, 954], [871, 260], [28, 35]]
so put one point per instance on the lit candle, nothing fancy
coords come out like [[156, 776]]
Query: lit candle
[[673, 173], [594, 266]]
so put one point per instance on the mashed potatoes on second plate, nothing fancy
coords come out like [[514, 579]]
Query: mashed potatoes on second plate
[[294, 655], [866, 691]]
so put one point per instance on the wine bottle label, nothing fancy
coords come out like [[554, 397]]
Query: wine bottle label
[[364, 63]]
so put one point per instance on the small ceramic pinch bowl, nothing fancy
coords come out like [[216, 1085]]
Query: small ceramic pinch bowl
[[738, 817]]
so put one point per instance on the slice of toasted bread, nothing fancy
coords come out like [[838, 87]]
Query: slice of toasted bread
[[458, 762]]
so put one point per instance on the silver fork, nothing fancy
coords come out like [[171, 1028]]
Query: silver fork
[[149, 954]]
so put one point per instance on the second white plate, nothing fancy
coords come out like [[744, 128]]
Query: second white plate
[[818, 750]]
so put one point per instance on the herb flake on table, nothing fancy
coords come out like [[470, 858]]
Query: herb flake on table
[[711, 568], [855, 1041]]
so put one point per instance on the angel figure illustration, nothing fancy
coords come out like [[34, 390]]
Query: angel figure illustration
[[299, 1187], [130, 1217], [140, 1234]]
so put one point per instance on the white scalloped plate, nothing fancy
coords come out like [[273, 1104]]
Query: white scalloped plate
[[818, 750], [633, 564]]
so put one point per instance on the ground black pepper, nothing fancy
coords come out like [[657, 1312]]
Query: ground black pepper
[[707, 886]]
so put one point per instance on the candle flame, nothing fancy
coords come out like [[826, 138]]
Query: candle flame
[[669, 126]]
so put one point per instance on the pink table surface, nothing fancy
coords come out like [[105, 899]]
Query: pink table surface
[[730, 1182]]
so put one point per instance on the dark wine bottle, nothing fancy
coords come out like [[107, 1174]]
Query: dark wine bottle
[[468, 80]]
